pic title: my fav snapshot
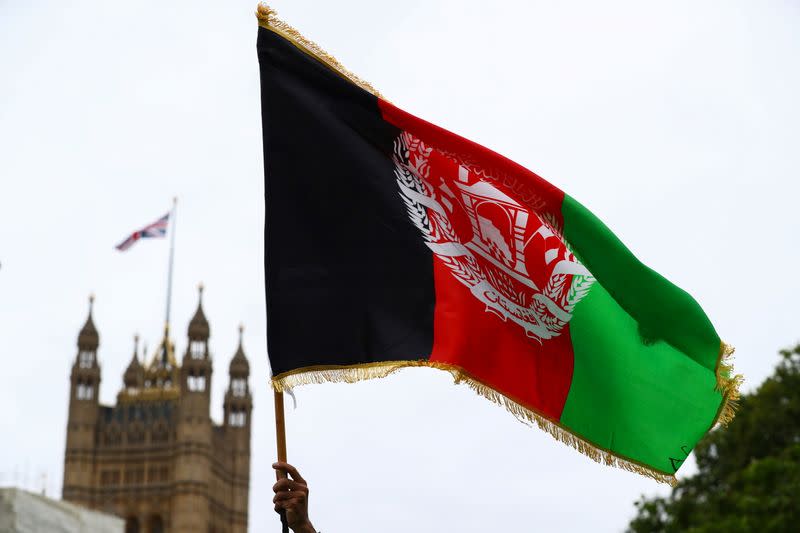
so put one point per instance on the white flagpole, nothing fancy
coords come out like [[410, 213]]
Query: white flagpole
[[173, 220]]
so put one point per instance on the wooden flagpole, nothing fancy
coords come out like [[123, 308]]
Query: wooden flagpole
[[280, 437]]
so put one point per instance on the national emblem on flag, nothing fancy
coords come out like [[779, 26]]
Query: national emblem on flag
[[156, 230], [391, 242]]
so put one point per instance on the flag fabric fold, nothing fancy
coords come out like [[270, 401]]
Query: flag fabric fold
[[156, 230], [393, 243]]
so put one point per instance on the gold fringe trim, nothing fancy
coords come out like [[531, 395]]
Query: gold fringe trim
[[728, 384], [354, 373], [267, 18]]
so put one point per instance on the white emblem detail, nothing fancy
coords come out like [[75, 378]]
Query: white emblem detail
[[487, 240]]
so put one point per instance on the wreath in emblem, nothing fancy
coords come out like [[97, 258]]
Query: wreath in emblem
[[493, 264]]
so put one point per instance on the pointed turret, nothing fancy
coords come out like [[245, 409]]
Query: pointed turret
[[238, 401], [196, 368], [195, 431], [240, 366], [88, 342], [162, 374], [198, 331], [88, 339], [238, 409], [198, 326], [83, 410], [134, 374]]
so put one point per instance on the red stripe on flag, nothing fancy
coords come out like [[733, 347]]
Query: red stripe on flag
[[497, 352], [495, 213], [514, 179]]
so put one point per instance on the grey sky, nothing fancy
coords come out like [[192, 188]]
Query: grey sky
[[676, 123]]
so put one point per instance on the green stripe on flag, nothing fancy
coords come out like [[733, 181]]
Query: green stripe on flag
[[648, 403], [662, 310], [643, 385]]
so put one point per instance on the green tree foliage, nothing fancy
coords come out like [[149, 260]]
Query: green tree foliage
[[748, 477]]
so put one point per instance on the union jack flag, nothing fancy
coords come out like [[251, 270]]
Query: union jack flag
[[157, 229]]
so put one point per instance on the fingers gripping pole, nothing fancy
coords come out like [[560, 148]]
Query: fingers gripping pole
[[280, 437]]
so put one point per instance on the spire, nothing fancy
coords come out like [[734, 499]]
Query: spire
[[162, 371], [239, 366], [134, 374], [135, 358], [88, 339], [238, 401], [198, 326]]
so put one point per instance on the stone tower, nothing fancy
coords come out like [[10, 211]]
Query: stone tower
[[193, 461], [83, 409], [156, 458], [237, 407]]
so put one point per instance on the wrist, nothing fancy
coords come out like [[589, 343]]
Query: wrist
[[305, 527]]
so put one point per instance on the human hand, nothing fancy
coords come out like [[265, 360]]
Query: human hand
[[291, 495]]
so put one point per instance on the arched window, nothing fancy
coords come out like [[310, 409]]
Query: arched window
[[84, 391], [196, 383], [237, 418], [132, 525], [85, 359], [197, 349], [156, 524], [239, 387]]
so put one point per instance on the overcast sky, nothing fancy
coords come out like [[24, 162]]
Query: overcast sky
[[675, 122]]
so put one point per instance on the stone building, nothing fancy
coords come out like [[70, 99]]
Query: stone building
[[25, 512], [156, 459]]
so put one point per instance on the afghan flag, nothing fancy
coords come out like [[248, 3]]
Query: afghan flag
[[391, 243]]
